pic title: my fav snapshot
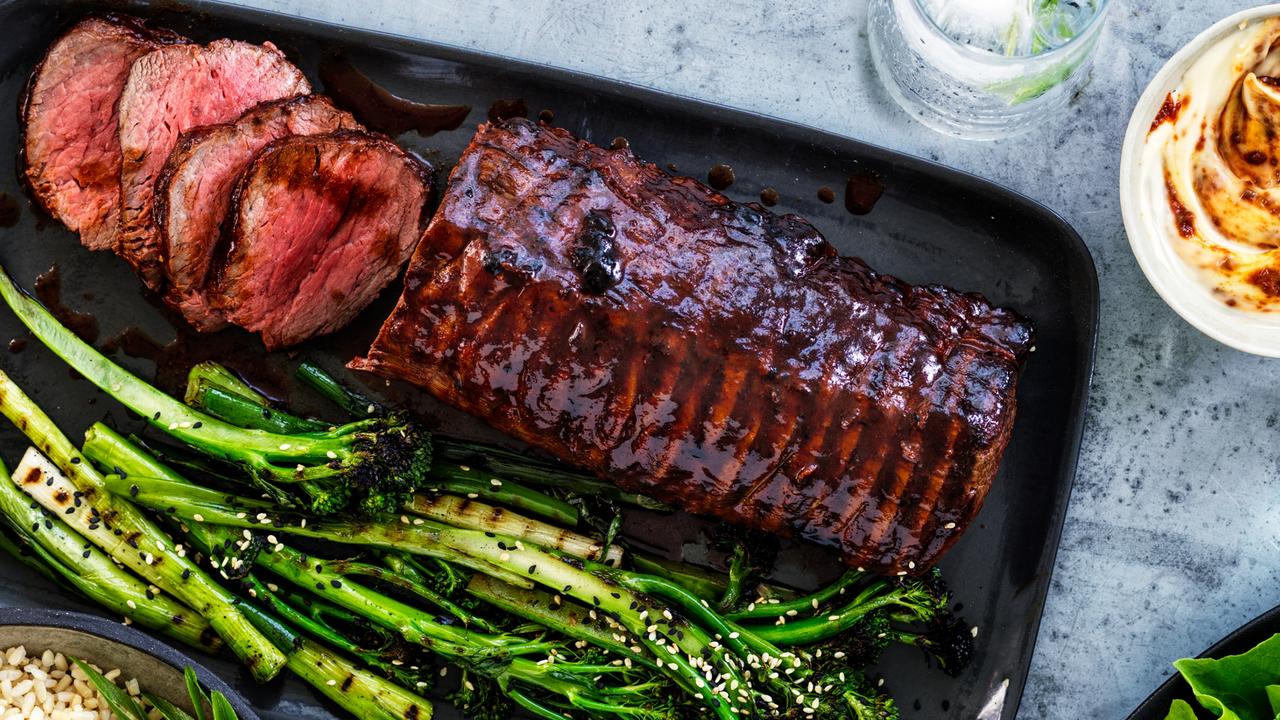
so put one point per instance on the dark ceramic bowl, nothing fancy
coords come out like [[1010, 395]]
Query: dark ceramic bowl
[[109, 644]]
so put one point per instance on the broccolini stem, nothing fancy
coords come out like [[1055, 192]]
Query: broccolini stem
[[344, 397], [553, 612], [532, 706], [246, 413], [769, 610], [278, 456], [817, 629], [357, 691], [155, 486], [466, 480], [97, 515], [353, 568], [308, 623], [325, 579], [468, 513]]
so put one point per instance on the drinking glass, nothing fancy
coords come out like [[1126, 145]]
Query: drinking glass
[[983, 69]]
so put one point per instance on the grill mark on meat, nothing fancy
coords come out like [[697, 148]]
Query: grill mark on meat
[[739, 367]]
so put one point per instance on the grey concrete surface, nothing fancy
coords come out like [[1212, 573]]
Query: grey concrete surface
[[1171, 536]]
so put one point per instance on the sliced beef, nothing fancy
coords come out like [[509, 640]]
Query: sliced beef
[[320, 224], [71, 150], [193, 192], [712, 354], [170, 91]]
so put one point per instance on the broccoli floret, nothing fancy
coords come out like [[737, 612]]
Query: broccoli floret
[[751, 556], [481, 698], [948, 641]]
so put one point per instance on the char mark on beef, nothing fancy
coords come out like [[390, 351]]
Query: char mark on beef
[[319, 226], [708, 353], [70, 151], [193, 192], [169, 91]]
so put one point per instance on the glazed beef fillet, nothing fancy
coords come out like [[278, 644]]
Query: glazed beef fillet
[[170, 91], [193, 192], [319, 225], [70, 146], [708, 353]]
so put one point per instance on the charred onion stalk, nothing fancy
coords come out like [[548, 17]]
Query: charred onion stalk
[[51, 544], [373, 465]]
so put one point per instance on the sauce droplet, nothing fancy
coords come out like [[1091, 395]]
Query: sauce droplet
[[10, 210], [546, 116], [48, 287], [826, 194], [861, 193], [17, 345], [376, 107], [720, 176], [620, 143], [769, 197], [505, 109]]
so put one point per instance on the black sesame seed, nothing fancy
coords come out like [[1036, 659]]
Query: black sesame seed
[[197, 424], [186, 573], [595, 600], [616, 596], [69, 511], [49, 482], [133, 491], [75, 461], [567, 588], [319, 586], [156, 416], [532, 568], [336, 583], [35, 526], [86, 554]]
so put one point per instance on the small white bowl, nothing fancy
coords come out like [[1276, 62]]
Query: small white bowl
[[1189, 296]]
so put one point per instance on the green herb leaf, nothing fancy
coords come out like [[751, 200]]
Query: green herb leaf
[[222, 709], [167, 710], [1237, 687], [117, 699], [198, 696]]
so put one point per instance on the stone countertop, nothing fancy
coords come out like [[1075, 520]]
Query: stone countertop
[[1170, 540]]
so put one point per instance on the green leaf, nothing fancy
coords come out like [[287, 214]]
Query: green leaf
[[1237, 687], [222, 709], [117, 699], [198, 697], [167, 710], [1180, 710]]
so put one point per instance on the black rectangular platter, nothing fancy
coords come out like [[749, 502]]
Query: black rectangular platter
[[932, 225]]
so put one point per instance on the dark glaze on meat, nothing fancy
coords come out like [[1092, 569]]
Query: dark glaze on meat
[[712, 354]]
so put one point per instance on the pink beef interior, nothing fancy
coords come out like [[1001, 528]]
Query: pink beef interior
[[194, 191], [72, 149], [322, 224], [170, 91]]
